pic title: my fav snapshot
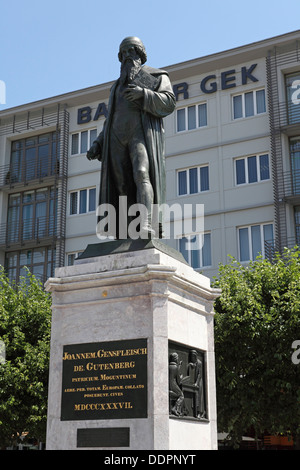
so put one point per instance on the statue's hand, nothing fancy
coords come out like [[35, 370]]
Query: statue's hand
[[133, 93], [94, 152]]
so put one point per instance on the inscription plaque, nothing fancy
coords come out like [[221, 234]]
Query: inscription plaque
[[103, 437], [104, 380]]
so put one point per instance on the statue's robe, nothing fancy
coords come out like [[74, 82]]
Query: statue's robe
[[157, 104]]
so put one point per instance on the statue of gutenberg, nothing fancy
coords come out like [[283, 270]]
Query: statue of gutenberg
[[131, 144]]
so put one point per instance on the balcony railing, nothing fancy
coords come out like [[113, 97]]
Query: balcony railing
[[11, 175], [30, 230], [271, 247], [289, 184], [286, 114]]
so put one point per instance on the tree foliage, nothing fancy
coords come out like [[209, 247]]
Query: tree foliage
[[257, 320], [25, 323]]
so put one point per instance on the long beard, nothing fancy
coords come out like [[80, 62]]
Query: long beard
[[129, 69]]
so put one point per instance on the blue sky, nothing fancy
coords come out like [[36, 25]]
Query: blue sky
[[54, 47]]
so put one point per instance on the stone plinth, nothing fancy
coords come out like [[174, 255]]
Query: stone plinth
[[145, 295]]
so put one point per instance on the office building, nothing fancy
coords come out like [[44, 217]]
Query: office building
[[232, 144]]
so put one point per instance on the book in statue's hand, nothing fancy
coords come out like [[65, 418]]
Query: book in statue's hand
[[145, 80]]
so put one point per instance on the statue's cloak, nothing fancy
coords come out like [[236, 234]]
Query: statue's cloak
[[157, 104]]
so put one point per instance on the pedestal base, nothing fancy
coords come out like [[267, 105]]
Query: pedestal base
[[114, 318]]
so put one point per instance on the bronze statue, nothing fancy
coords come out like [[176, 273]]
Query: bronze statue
[[176, 396], [195, 374], [187, 384], [131, 144]]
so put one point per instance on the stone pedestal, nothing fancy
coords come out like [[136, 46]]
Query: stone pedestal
[[127, 307]]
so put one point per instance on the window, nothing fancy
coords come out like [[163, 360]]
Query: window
[[196, 249], [82, 141], [192, 180], [249, 104], [40, 262], [297, 223], [191, 117], [82, 201], [72, 256], [252, 240], [252, 169], [31, 215], [295, 164], [34, 157]]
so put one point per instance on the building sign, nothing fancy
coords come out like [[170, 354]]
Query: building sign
[[104, 380], [208, 85], [84, 115]]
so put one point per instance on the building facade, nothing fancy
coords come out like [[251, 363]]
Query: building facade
[[232, 145]]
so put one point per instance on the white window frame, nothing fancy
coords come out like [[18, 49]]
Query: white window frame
[[262, 240], [259, 180], [89, 143], [78, 201], [188, 193], [185, 108], [200, 237], [244, 106]]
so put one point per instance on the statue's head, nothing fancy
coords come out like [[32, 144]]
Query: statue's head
[[138, 45], [193, 355], [173, 357]]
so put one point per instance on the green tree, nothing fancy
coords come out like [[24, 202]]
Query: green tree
[[25, 323], [257, 320]]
